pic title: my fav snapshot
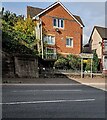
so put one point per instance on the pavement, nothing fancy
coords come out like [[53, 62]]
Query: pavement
[[97, 82]]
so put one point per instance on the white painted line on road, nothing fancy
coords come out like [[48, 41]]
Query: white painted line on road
[[42, 84], [53, 101], [48, 91]]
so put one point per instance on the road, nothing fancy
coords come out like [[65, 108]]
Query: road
[[72, 100]]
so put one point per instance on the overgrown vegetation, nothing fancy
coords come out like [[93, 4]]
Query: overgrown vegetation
[[73, 62], [69, 62], [18, 34], [95, 63]]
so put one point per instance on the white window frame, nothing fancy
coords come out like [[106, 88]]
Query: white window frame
[[105, 44], [49, 42], [70, 38], [104, 62], [54, 52], [58, 19]]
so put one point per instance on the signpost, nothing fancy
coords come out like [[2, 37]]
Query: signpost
[[86, 56]]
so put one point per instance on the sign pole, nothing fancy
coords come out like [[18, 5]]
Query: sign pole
[[83, 56]]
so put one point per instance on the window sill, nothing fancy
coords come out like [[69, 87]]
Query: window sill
[[50, 44], [69, 46], [58, 28]]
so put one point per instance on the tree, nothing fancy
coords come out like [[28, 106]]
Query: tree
[[95, 61], [16, 32], [10, 18], [25, 30]]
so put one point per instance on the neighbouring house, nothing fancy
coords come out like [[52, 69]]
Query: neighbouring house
[[86, 48], [98, 42], [63, 30]]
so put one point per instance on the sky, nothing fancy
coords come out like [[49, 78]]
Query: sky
[[91, 13]]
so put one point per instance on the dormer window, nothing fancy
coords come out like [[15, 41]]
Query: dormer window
[[59, 23]]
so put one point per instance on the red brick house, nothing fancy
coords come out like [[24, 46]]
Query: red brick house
[[64, 31]]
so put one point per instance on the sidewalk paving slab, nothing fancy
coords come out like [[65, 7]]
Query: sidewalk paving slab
[[97, 82]]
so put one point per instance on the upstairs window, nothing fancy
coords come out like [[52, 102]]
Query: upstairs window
[[59, 23], [49, 39], [69, 42]]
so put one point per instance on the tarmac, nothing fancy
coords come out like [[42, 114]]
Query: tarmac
[[96, 82]]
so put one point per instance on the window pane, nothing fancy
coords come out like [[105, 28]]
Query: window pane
[[70, 42], [62, 25], [67, 41], [49, 50], [54, 22], [52, 40], [49, 39], [58, 23]]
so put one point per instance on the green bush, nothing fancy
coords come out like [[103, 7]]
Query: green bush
[[61, 63], [70, 62], [74, 62], [95, 63]]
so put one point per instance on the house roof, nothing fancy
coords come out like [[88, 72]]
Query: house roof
[[79, 19], [33, 11], [36, 12], [86, 45], [101, 30]]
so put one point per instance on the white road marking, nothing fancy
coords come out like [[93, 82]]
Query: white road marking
[[21, 84], [53, 101], [48, 91]]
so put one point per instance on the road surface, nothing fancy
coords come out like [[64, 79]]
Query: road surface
[[72, 100]]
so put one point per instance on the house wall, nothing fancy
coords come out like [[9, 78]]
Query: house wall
[[96, 39], [71, 29]]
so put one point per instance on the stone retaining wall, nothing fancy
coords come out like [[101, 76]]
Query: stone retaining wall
[[19, 66]]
